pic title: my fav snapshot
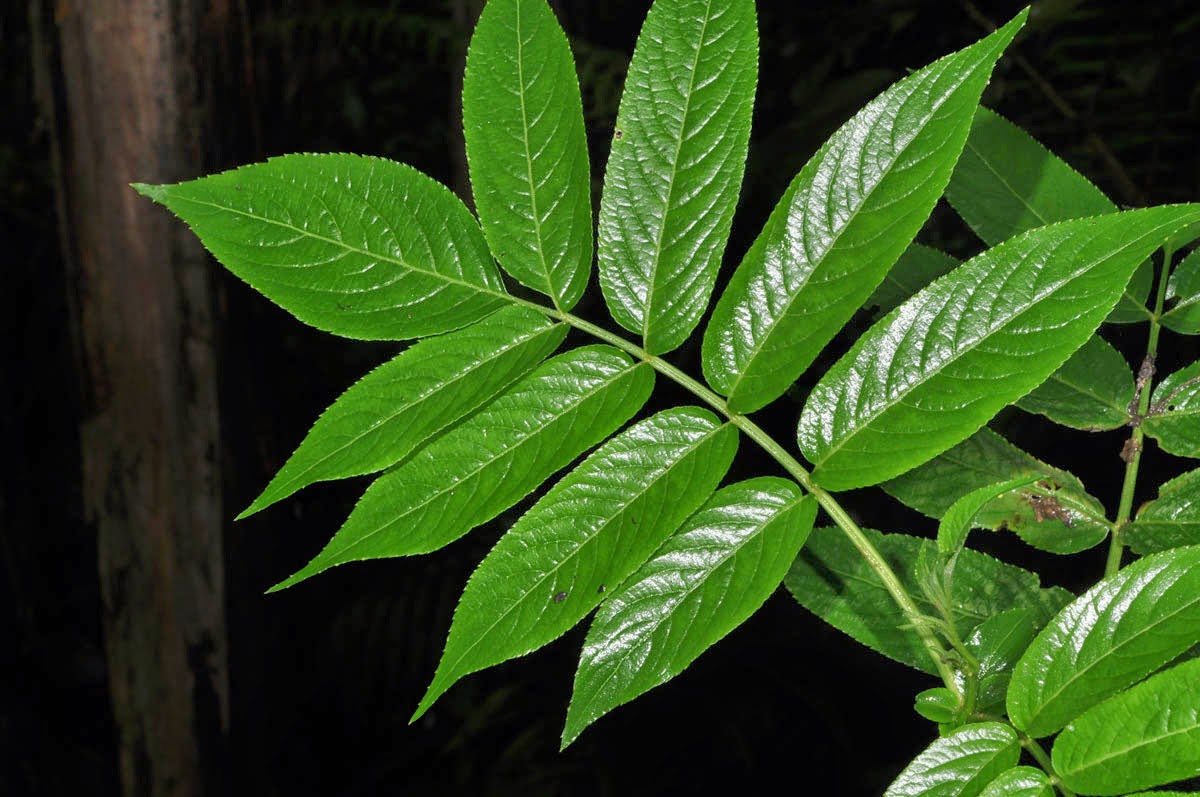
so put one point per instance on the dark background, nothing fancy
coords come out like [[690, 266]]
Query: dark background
[[324, 677]]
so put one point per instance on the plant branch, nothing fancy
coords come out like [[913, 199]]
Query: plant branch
[[1132, 452], [857, 537], [1043, 760]]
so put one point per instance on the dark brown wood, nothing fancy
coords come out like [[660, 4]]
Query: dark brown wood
[[135, 82]]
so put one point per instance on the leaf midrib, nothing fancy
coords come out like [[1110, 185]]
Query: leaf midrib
[[533, 202], [785, 312], [421, 398], [657, 477], [673, 603], [1143, 742], [972, 344], [1037, 214], [487, 463], [1078, 673], [647, 313]]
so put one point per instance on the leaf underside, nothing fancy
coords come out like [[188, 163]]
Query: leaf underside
[[1171, 520]]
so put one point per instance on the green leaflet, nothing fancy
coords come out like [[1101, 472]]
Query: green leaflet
[[676, 165], [397, 407], [588, 533], [831, 580], [361, 247], [960, 517], [1169, 521], [1183, 293], [1115, 634], [960, 764], [1174, 420], [845, 219], [706, 579], [1090, 391], [491, 460], [938, 704], [526, 148], [997, 644], [1071, 521], [1146, 736], [1020, 782], [917, 267], [939, 366], [1006, 182]]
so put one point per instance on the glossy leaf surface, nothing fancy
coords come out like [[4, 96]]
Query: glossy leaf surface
[[1171, 520], [831, 580], [1183, 294], [1115, 634], [960, 764], [1020, 782], [706, 579], [1146, 736], [845, 219], [592, 530], [675, 168], [1071, 522], [1176, 422], [997, 644], [1092, 390], [362, 247], [1006, 182], [916, 268], [491, 460], [937, 368], [523, 125], [395, 408]]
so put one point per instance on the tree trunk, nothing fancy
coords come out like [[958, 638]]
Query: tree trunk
[[127, 88]]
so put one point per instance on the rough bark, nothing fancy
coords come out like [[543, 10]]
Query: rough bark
[[127, 86]]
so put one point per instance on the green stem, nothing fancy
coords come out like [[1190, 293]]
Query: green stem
[[1043, 760], [1133, 448], [858, 538]]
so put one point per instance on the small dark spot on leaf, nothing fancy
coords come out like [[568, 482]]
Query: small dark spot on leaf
[[601, 590], [618, 134], [559, 597], [237, 188]]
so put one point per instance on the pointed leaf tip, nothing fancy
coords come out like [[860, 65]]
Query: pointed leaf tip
[[155, 192]]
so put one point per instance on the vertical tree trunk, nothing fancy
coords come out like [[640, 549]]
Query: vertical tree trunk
[[135, 80]]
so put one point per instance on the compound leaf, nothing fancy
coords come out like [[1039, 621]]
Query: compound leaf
[[1112, 636], [845, 219], [1068, 522], [492, 459], [589, 532], [361, 247], [1006, 182], [526, 148], [706, 579], [831, 580], [676, 165], [1175, 421], [959, 764], [390, 412], [939, 366], [1092, 390], [1183, 291], [1169, 521], [1146, 736], [1020, 782]]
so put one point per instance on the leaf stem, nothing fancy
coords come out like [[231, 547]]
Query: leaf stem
[[1043, 760], [1132, 453], [872, 556]]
